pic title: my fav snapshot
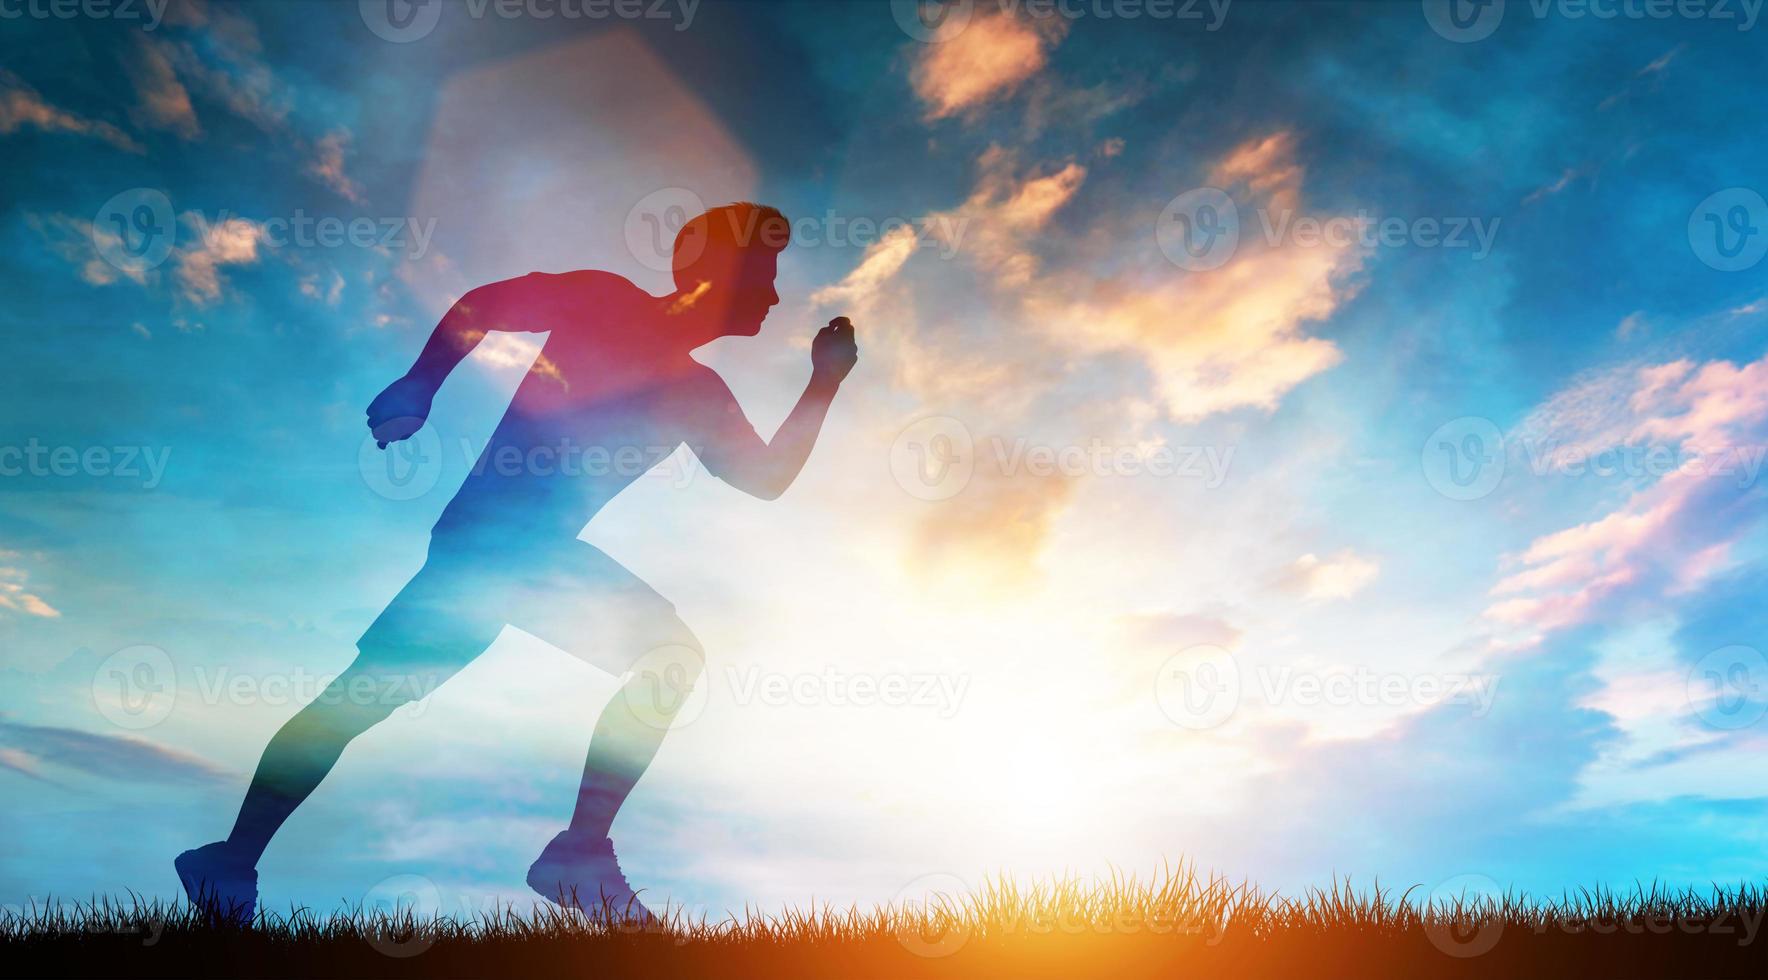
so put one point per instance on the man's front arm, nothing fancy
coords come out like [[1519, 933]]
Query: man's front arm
[[765, 470], [768, 471]]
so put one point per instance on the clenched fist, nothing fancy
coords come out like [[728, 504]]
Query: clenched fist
[[833, 351], [398, 412]]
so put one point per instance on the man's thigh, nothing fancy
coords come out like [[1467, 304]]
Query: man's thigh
[[589, 605]]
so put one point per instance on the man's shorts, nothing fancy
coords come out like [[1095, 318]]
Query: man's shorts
[[566, 592]]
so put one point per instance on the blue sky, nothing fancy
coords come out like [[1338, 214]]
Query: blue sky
[[1251, 480]]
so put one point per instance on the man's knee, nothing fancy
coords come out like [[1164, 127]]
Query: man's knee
[[662, 682], [356, 701]]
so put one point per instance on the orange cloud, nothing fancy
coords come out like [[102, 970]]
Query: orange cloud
[[1006, 212], [1267, 167], [233, 241], [987, 60], [1226, 338], [163, 99], [992, 533], [881, 262], [21, 106], [328, 165]]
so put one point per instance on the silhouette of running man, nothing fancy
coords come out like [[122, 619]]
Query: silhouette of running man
[[615, 374]]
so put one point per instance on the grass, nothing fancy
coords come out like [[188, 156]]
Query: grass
[[1177, 924]]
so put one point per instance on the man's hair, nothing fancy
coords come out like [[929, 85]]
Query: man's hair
[[711, 246]]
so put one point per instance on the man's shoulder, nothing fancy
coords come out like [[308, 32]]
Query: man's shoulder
[[607, 286]]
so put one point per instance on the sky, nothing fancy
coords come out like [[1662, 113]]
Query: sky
[[1304, 440]]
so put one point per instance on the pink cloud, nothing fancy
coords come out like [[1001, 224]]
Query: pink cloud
[[1670, 536]]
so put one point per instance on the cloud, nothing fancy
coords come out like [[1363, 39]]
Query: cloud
[[162, 100], [990, 535], [1004, 215], [226, 66], [1226, 338], [1662, 61], [987, 60], [21, 106], [880, 263], [1675, 533], [13, 595], [22, 763], [231, 241], [78, 242], [1231, 338], [330, 294], [126, 758], [504, 351], [1215, 341], [1338, 577], [1267, 167], [1561, 183], [1145, 641], [328, 165]]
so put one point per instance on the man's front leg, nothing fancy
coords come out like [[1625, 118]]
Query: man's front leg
[[630, 731], [579, 867]]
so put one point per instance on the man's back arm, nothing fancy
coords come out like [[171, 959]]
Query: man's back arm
[[520, 305], [513, 305]]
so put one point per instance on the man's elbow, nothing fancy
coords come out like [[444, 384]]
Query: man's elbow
[[769, 490], [761, 486]]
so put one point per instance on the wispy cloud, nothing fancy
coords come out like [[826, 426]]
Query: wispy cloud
[[1675, 532], [1233, 337], [1338, 576], [881, 262], [162, 100], [328, 165], [21, 106], [1005, 213], [78, 242], [125, 758], [15, 597]]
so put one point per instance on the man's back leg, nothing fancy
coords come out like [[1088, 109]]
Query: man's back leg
[[436, 625]]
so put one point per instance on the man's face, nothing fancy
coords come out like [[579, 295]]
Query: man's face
[[750, 293]]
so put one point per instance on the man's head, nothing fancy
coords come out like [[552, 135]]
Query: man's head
[[724, 264]]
